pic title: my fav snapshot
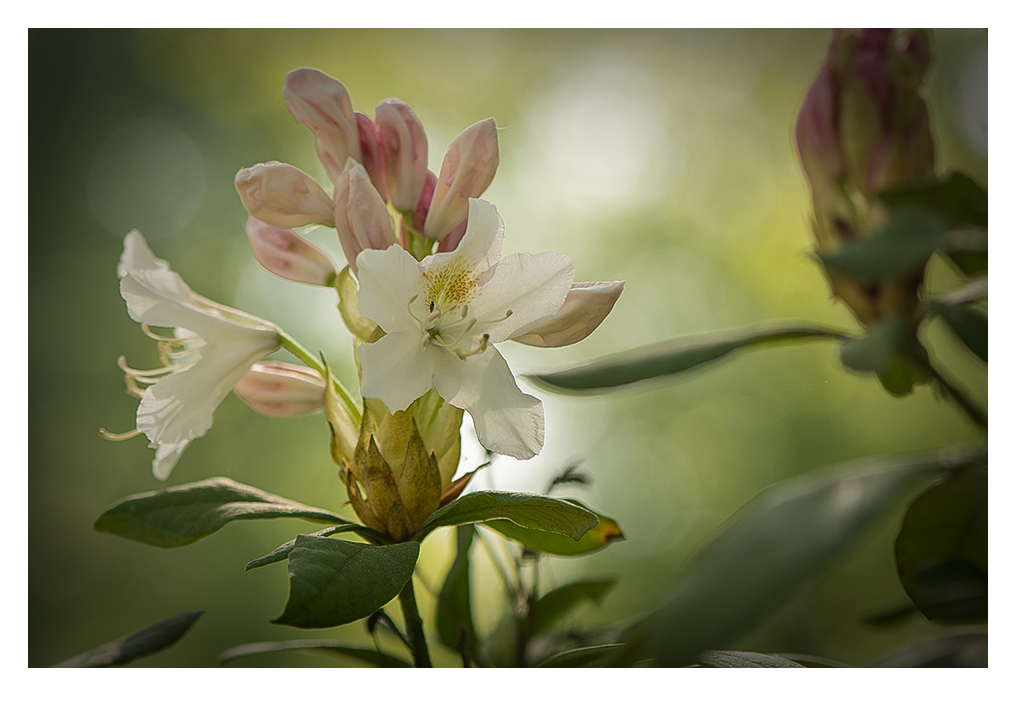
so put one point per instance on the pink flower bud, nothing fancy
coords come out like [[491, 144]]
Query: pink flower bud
[[424, 202], [466, 172], [405, 147], [281, 390], [283, 196], [322, 104], [361, 217], [585, 307], [285, 253], [370, 151]]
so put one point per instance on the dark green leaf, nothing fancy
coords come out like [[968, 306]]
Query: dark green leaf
[[328, 646], [582, 657], [970, 262], [901, 247], [335, 582], [556, 603], [892, 351], [528, 510], [943, 550], [184, 514], [724, 658], [961, 650], [454, 610], [812, 660], [605, 532], [282, 552], [781, 538], [676, 356], [956, 198], [971, 327], [146, 641]]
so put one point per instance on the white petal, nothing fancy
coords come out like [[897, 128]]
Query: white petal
[[138, 256], [395, 370], [533, 286], [506, 419], [166, 457], [388, 279], [480, 247], [586, 306]]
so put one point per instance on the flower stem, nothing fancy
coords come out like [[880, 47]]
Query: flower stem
[[414, 626], [304, 355]]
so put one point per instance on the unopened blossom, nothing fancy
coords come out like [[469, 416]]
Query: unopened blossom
[[282, 390], [466, 171], [404, 145], [442, 316], [323, 105], [585, 307], [361, 217], [286, 254], [283, 196], [210, 349]]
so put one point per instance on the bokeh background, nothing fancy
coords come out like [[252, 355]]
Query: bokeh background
[[663, 158]]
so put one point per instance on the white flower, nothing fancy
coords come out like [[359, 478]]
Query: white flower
[[211, 348], [441, 316]]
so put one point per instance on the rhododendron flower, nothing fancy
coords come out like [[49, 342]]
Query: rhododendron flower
[[442, 316], [210, 350], [282, 390]]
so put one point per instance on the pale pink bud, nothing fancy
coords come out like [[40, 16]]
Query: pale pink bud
[[466, 172], [424, 202], [283, 196], [586, 306], [361, 217], [285, 253], [405, 147], [370, 152], [281, 390], [323, 105]]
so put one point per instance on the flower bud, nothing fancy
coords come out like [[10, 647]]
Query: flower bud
[[283, 196], [286, 254], [323, 105], [466, 172], [585, 307], [371, 153], [281, 390], [361, 217], [405, 147]]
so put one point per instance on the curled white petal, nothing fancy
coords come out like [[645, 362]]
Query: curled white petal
[[586, 306]]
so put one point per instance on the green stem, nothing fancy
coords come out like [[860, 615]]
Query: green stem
[[305, 356], [973, 412], [414, 626]]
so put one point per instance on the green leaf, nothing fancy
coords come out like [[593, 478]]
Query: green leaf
[[146, 641], [780, 539], [901, 247], [328, 646], [282, 552], [892, 351], [528, 510], [556, 603], [455, 611], [335, 582], [362, 327], [184, 514], [812, 660], [676, 356], [971, 327], [971, 262], [723, 658], [605, 532], [956, 198], [582, 657], [960, 650], [943, 550]]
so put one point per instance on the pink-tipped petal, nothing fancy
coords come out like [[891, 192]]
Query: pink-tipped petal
[[404, 145], [466, 171], [361, 217], [281, 390], [283, 196], [323, 105], [585, 307], [286, 254]]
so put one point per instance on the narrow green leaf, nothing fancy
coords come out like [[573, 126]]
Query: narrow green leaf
[[971, 327], [605, 532], [335, 582], [528, 510], [959, 650], [675, 356], [892, 351], [781, 538], [812, 660], [184, 514], [723, 658], [146, 641], [582, 657], [955, 197], [455, 610], [556, 603], [282, 552], [942, 549], [901, 247], [328, 646]]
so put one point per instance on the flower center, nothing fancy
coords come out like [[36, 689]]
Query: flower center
[[450, 327]]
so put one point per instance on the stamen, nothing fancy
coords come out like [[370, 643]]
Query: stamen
[[142, 374], [119, 436], [133, 389], [466, 311], [160, 338]]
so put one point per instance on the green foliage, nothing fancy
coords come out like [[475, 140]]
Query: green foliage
[[902, 247], [455, 610], [956, 198], [723, 658], [971, 327], [892, 351], [328, 646], [282, 552], [184, 514], [335, 582], [959, 650], [677, 356], [605, 532], [146, 641], [784, 536], [582, 656], [528, 510], [943, 549], [558, 602]]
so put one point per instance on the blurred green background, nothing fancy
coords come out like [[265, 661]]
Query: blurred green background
[[663, 158]]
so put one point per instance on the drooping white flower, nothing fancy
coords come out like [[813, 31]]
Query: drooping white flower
[[442, 316], [211, 348]]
